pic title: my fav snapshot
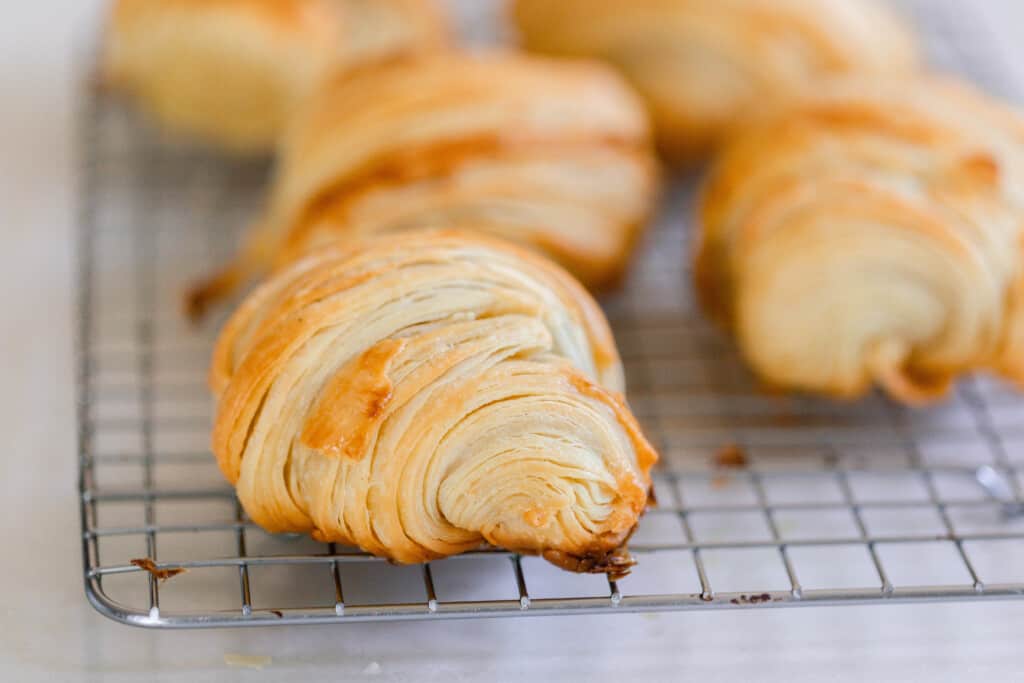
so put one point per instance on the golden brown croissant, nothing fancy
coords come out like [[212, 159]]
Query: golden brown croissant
[[419, 395], [872, 234], [704, 65], [554, 154], [232, 71]]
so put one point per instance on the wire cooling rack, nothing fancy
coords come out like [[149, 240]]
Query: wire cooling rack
[[839, 503]]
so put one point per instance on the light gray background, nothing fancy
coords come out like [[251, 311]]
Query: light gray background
[[50, 633]]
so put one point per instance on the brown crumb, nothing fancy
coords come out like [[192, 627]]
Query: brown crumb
[[162, 574], [247, 661], [730, 457], [277, 613], [720, 481], [752, 599]]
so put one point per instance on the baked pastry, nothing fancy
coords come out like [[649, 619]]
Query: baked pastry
[[872, 234], [232, 71], [554, 154], [418, 396], [705, 65]]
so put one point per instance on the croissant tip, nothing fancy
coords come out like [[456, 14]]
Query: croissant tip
[[652, 497], [195, 304], [616, 563], [200, 296], [99, 81]]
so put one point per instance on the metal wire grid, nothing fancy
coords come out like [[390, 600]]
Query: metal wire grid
[[840, 503]]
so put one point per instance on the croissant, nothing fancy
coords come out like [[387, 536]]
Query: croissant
[[232, 71], [704, 65], [871, 234], [418, 396], [549, 153]]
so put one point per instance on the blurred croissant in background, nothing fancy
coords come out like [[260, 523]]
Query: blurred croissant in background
[[232, 71], [418, 396], [872, 234], [554, 154], [705, 65]]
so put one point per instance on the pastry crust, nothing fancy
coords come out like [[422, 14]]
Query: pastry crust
[[554, 154], [417, 396], [231, 72], [871, 234], [705, 65]]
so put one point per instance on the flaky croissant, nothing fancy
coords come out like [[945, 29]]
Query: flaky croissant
[[232, 71], [419, 395], [872, 234], [553, 154], [705, 65]]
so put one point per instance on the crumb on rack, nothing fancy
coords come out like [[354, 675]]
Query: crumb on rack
[[247, 661], [754, 599], [730, 457], [720, 481], [149, 565]]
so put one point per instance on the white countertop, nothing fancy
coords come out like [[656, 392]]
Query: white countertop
[[51, 633]]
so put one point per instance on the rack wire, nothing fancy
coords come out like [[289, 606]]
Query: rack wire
[[839, 503]]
